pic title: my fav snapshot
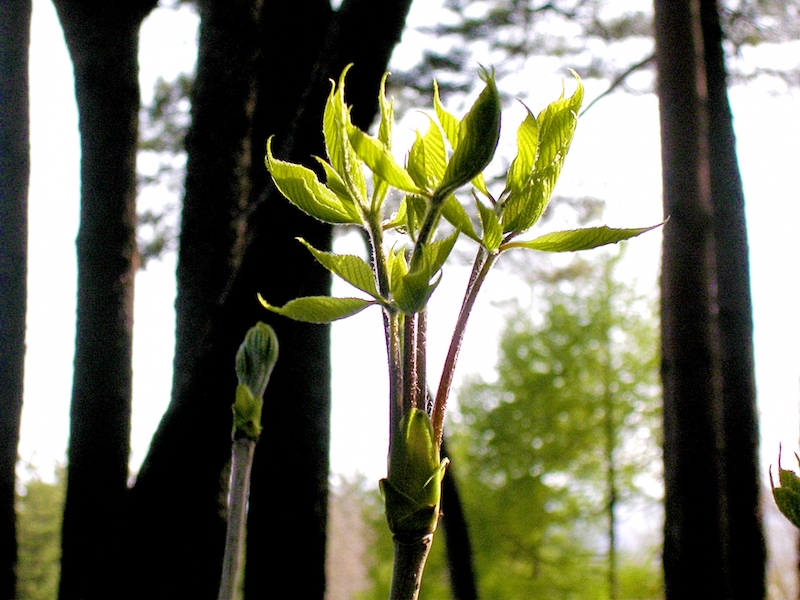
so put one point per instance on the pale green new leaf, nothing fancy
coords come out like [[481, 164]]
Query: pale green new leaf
[[528, 200], [492, 231], [478, 134], [353, 269], [380, 160], [447, 120], [335, 183], [428, 157], [335, 124], [412, 291], [458, 217], [519, 173], [557, 125], [318, 309], [387, 115], [435, 254], [397, 266], [579, 239], [302, 188], [399, 218]]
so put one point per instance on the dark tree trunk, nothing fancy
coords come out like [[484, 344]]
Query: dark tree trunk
[[746, 549], [177, 498], [713, 545], [458, 547], [103, 43], [15, 19], [694, 555]]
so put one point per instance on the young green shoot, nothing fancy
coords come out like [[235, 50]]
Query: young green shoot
[[400, 279]]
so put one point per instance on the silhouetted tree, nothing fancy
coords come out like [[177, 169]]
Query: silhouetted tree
[[15, 19], [103, 43], [713, 544]]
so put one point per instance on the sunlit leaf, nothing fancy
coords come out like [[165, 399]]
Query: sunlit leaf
[[492, 232], [387, 115], [579, 239], [447, 120], [478, 134], [302, 188], [380, 160], [519, 173], [458, 217], [427, 157], [318, 309], [353, 269]]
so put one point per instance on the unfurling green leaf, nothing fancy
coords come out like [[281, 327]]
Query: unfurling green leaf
[[787, 496], [412, 290], [458, 217], [579, 239], [530, 184], [318, 309], [521, 169], [387, 115], [342, 156], [380, 161], [478, 134], [412, 489], [255, 360], [492, 231], [353, 269], [302, 188], [427, 159]]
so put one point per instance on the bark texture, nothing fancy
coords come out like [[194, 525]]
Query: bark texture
[[15, 19], [103, 43], [712, 545]]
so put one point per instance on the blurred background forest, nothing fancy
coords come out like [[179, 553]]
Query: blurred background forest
[[556, 435]]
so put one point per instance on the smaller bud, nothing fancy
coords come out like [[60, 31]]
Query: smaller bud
[[254, 363], [257, 357]]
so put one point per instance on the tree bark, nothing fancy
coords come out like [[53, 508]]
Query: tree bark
[[713, 545], [103, 43], [179, 495], [15, 19], [746, 549], [694, 543]]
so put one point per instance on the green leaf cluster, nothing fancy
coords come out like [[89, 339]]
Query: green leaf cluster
[[402, 280]]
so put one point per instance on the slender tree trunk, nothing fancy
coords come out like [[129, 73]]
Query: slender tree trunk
[[713, 536], [747, 552], [103, 43], [694, 541], [15, 19]]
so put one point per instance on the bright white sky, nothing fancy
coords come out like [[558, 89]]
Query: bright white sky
[[615, 156]]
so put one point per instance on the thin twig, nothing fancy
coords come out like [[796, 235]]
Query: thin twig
[[620, 79], [242, 463]]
